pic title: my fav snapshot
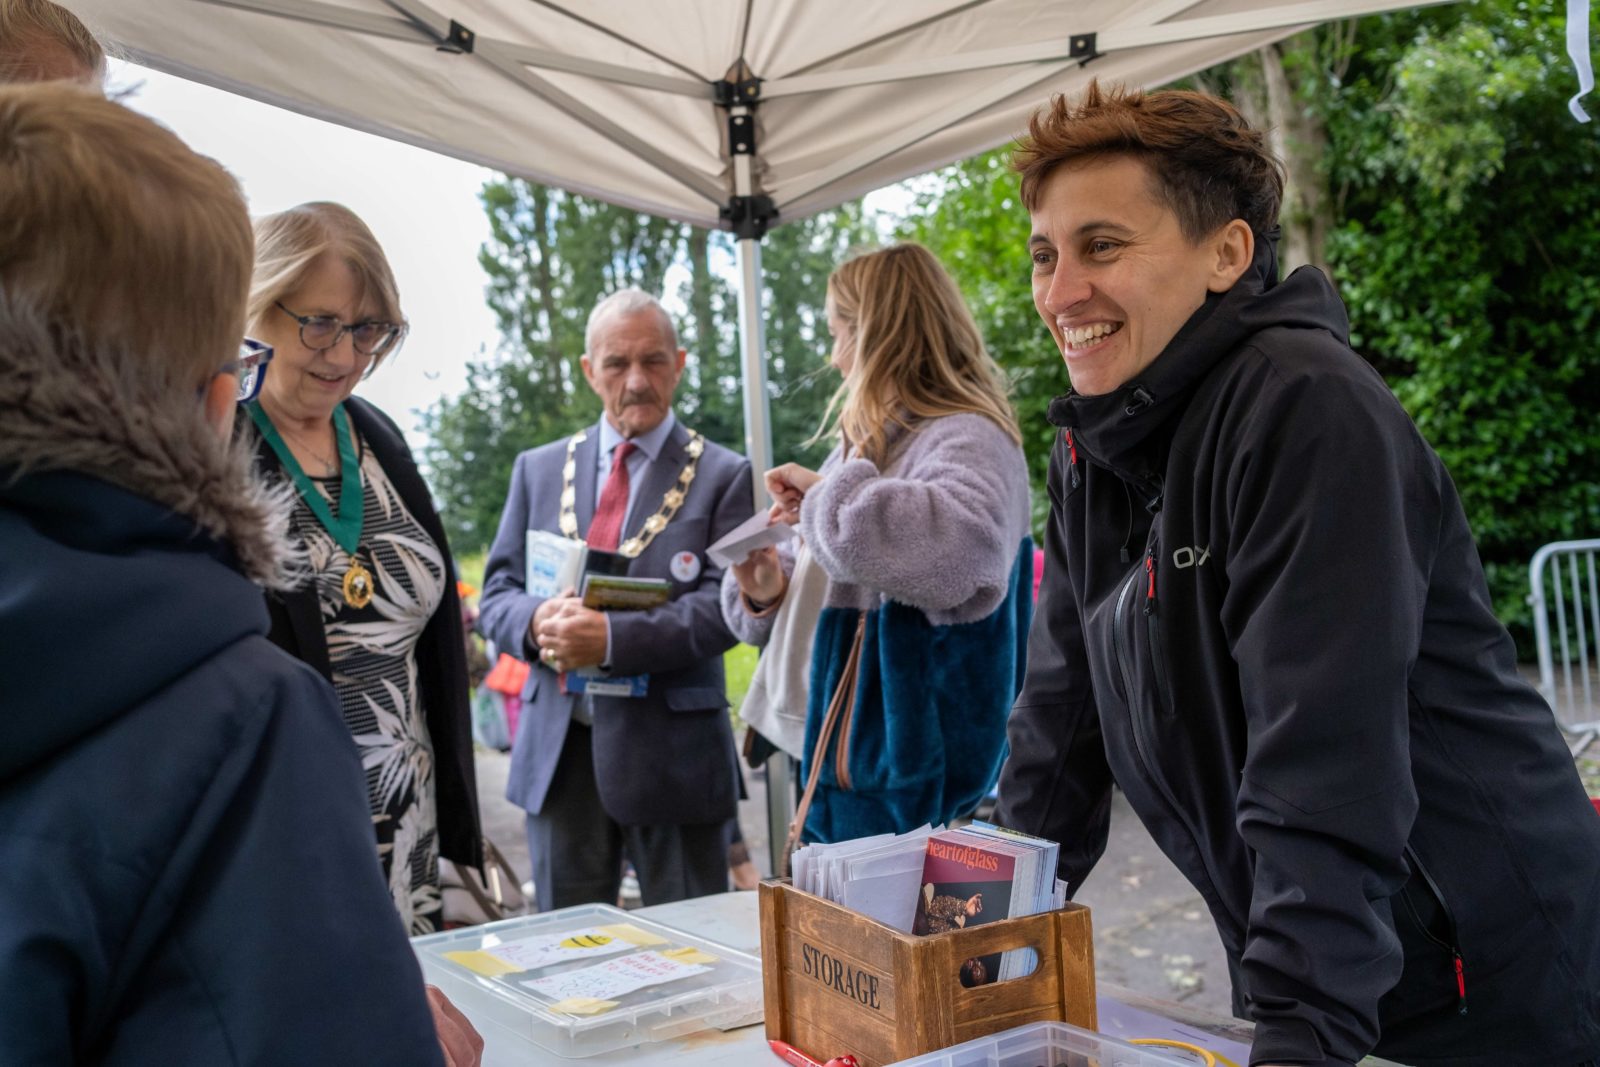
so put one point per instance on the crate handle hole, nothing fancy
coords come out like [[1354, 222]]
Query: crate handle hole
[[985, 970]]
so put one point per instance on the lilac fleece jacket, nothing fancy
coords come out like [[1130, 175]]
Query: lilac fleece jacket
[[937, 530]]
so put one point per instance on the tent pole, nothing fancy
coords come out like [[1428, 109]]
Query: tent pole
[[758, 447], [748, 214], [753, 343]]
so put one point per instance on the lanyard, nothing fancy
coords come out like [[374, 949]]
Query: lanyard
[[346, 528]]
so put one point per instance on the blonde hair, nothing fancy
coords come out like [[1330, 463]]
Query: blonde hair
[[918, 352], [289, 243], [118, 234], [28, 27]]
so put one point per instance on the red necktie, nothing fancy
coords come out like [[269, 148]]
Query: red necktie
[[605, 530]]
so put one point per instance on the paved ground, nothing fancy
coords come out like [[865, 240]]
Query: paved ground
[[1152, 933]]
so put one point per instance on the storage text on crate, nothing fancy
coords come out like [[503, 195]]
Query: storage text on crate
[[839, 975]]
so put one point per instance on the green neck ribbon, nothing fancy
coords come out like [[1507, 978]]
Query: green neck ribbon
[[346, 528]]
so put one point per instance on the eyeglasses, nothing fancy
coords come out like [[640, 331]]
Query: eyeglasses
[[322, 332], [251, 367]]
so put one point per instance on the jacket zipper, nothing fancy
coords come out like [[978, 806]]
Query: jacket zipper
[[1124, 664], [1123, 667], [1158, 648], [1124, 658], [1454, 945]]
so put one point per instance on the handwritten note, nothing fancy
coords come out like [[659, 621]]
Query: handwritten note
[[613, 978], [532, 953]]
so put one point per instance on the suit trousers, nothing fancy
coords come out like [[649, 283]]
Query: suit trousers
[[577, 849]]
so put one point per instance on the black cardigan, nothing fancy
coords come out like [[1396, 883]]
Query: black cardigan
[[441, 650]]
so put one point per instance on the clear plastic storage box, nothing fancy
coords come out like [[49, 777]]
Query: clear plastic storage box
[[1052, 1045], [591, 979]]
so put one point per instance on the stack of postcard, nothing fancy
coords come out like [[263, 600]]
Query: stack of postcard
[[929, 881], [876, 876], [981, 873]]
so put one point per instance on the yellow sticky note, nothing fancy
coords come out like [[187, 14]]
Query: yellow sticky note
[[689, 954], [479, 962], [583, 1006], [631, 934]]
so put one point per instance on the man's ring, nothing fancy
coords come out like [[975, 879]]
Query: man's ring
[[549, 655]]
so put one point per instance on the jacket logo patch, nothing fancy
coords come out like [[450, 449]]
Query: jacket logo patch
[[1186, 557]]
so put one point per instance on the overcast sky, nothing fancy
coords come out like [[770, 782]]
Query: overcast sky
[[422, 206]]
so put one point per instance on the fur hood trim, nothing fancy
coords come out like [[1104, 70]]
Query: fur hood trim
[[67, 405]]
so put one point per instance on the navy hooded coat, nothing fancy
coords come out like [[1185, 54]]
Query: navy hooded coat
[[186, 865]]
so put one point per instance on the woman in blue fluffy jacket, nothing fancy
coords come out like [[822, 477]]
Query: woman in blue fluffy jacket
[[913, 530]]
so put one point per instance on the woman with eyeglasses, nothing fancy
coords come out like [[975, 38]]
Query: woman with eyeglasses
[[377, 613]]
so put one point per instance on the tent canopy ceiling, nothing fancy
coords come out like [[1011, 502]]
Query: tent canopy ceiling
[[618, 99]]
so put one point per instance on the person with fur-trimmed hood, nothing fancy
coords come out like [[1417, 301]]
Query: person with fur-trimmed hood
[[186, 866]]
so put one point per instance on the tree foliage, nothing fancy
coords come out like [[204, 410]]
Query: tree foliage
[[1467, 254], [551, 256]]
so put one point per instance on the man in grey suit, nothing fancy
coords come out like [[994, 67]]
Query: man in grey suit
[[653, 776]]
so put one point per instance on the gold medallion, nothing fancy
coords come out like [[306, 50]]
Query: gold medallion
[[357, 586]]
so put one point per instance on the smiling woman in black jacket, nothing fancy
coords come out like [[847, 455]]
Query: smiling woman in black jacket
[[1264, 617]]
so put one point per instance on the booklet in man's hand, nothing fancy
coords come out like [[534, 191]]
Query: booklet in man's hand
[[554, 563]]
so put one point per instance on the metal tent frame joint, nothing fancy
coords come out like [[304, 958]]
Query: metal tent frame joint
[[749, 217], [1082, 48], [459, 41], [744, 92]]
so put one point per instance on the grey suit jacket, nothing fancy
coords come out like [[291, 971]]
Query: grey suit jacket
[[665, 758]]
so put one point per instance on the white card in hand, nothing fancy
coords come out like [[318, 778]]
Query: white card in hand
[[755, 532]]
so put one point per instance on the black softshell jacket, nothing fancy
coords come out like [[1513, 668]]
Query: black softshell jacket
[[1264, 617]]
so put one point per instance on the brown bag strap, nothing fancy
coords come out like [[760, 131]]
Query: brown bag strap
[[841, 713]]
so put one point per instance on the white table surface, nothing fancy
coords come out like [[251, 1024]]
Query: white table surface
[[733, 919]]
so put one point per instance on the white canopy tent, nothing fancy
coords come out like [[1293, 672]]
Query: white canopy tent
[[730, 113], [737, 114]]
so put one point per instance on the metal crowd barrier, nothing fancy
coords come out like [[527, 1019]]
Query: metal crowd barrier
[[1565, 595]]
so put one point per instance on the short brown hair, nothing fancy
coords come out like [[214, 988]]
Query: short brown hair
[[118, 234], [289, 242], [31, 28], [1209, 166]]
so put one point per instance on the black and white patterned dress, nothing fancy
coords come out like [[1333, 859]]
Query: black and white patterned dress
[[372, 651]]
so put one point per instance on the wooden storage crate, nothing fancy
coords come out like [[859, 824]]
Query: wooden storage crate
[[836, 981]]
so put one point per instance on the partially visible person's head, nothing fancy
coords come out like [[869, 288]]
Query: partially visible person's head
[[43, 41], [118, 237], [632, 360], [1141, 204], [319, 269], [908, 349]]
